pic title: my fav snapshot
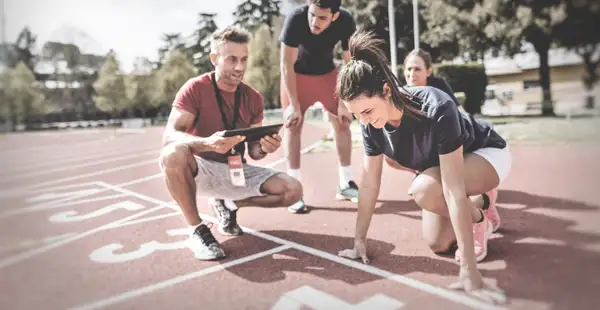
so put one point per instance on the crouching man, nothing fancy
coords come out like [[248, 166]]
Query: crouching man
[[197, 160]]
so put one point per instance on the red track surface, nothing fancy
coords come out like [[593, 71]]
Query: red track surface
[[92, 226]]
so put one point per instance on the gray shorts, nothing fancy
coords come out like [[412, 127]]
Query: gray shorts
[[213, 180]]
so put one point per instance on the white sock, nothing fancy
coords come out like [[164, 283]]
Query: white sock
[[345, 175], [294, 173], [229, 204]]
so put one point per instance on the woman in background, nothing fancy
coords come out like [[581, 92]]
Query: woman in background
[[418, 71]]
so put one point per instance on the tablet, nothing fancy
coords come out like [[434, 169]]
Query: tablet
[[254, 133]]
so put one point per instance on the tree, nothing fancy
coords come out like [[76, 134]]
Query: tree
[[505, 24], [177, 70], [373, 15], [263, 64], [252, 14], [200, 51], [24, 49], [140, 86], [467, 28], [110, 88], [537, 19], [171, 42], [580, 32], [20, 97]]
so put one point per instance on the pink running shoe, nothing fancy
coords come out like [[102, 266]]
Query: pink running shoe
[[492, 212], [481, 234]]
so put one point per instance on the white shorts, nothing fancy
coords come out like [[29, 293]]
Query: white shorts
[[500, 159]]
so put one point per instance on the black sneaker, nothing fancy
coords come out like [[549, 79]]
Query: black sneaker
[[227, 219], [204, 244]]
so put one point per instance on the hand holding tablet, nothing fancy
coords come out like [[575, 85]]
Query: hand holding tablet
[[254, 134]]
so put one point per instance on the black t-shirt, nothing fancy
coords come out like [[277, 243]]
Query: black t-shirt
[[315, 52], [441, 84], [418, 143]]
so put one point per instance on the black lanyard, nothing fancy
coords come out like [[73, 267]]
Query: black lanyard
[[221, 102], [236, 111]]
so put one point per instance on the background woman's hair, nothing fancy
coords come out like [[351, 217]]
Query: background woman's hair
[[421, 53], [367, 72]]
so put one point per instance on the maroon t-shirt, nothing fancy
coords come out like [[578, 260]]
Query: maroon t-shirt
[[197, 96]]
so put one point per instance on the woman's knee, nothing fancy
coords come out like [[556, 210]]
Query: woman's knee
[[175, 155], [440, 246], [426, 190]]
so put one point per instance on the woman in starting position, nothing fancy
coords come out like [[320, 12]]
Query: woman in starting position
[[458, 161]]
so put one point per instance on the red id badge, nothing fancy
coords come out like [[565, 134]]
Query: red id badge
[[236, 170]]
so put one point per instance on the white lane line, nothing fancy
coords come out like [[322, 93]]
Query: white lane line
[[147, 219], [425, 287], [47, 148], [66, 168], [12, 192], [57, 205], [39, 168], [173, 281], [62, 187]]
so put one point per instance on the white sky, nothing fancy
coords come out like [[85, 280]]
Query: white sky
[[130, 27]]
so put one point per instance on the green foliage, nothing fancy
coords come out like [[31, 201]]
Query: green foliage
[[110, 87], [579, 32], [141, 91], [252, 14], [474, 26], [19, 96], [177, 70], [373, 15], [171, 42], [200, 51], [23, 49], [263, 72]]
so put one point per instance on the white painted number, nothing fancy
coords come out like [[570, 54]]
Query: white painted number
[[72, 216], [106, 254], [307, 296]]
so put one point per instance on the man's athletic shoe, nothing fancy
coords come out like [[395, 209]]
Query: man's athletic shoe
[[298, 207], [204, 244], [349, 192], [226, 218], [491, 212], [481, 234]]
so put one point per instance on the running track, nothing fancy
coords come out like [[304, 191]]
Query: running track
[[87, 223]]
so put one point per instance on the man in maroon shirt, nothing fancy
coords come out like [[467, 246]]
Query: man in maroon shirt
[[196, 158]]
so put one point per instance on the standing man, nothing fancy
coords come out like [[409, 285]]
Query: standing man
[[197, 159], [308, 76]]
